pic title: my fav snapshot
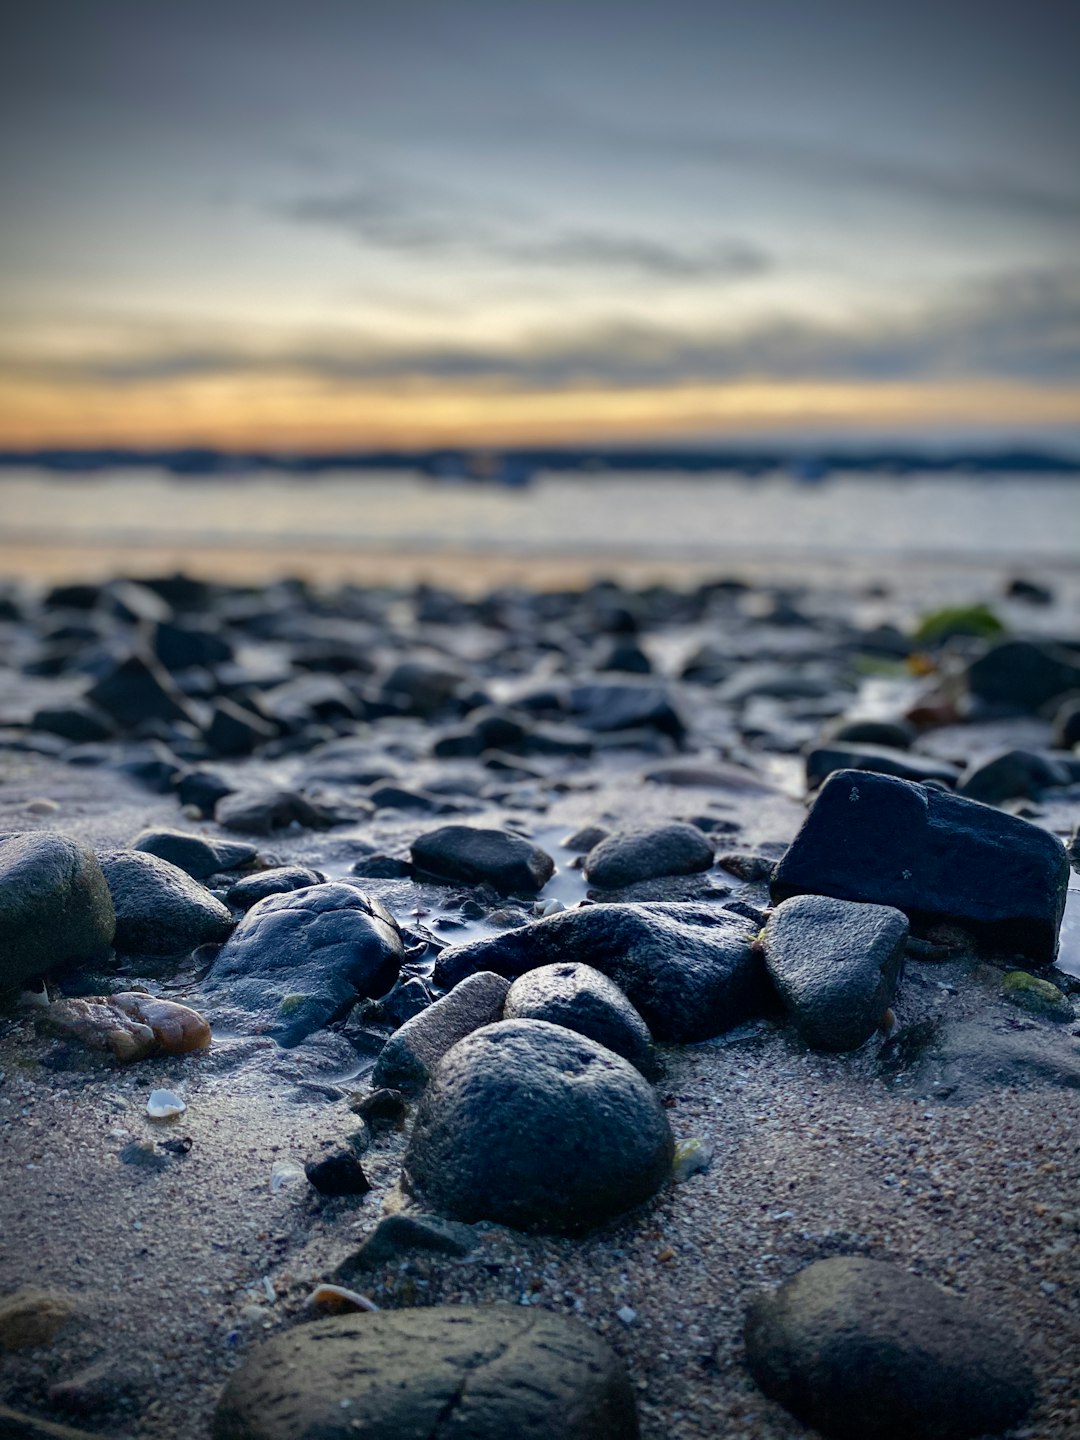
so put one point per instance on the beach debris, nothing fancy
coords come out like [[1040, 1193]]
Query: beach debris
[[164, 1105]]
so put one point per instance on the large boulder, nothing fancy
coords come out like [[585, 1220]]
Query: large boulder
[[688, 968], [298, 960], [935, 856], [160, 909], [55, 906], [835, 965], [862, 1350], [475, 1372], [532, 1126], [585, 1000], [477, 856], [645, 853]]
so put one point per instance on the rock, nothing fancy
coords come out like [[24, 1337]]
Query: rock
[[381, 867], [1029, 591], [714, 776], [859, 1348], [139, 689], [534, 1127], [15, 1425], [299, 960], [608, 706], [410, 1056], [489, 728], [278, 881], [381, 1110], [78, 722], [199, 855], [1037, 997], [753, 869], [339, 1174], [935, 856], [687, 968], [825, 760], [55, 906], [388, 796], [512, 864], [31, 1316], [1067, 724], [160, 909], [628, 856], [1023, 674], [1010, 775], [835, 965], [692, 1157], [195, 642], [486, 1372], [202, 789], [131, 1025], [261, 812], [893, 734], [236, 730], [423, 687], [397, 1235], [94, 1387], [586, 1001], [586, 839]]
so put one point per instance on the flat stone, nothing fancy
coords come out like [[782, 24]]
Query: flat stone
[[299, 960], [411, 1054], [586, 1001], [249, 890], [55, 906], [857, 1347], [261, 812], [482, 1372], [1012, 775], [1038, 997], [885, 841], [824, 760], [533, 1126], [687, 968], [629, 856], [835, 965], [397, 1235], [512, 864], [160, 909], [130, 1025], [199, 855]]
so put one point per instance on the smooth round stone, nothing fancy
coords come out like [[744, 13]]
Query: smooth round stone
[[629, 856], [55, 906], [862, 1350], [584, 1000], [474, 1372], [533, 1126], [160, 909]]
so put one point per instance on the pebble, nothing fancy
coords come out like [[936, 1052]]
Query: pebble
[[692, 1157], [164, 1105]]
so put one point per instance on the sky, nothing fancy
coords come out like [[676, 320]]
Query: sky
[[343, 223]]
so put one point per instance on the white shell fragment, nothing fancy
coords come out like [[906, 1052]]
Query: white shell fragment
[[338, 1300], [164, 1104], [285, 1172]]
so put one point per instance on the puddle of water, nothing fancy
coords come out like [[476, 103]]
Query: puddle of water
[[1069, 940]]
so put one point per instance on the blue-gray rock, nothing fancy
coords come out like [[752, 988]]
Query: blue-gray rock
[[55, 906], [411, 1054], [825, 760], [858, 1349], [278, 881], [261, 812], [160, 909], [533, 1126], [835, 965], [628, 856], [585, 1000], [935, 856], [626, 705], [299, 960], [1023, 674], [477, 856], [1012, 775], [894, 734], [78, 722], [138, 689], [398, 1235], [199, 855], [688, 968], [483, 1372]]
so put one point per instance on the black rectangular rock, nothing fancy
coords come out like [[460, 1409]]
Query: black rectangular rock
[[935, 856]]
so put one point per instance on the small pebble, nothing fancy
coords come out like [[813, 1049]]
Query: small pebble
[[690, 1156]]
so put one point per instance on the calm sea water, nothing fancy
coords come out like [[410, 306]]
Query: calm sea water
[[703, 518]]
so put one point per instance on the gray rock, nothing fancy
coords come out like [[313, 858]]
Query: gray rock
[[686, 967], [138, 689], [199, 855], [894, 734], [1023, 675], [626, 705], [412, 1053], [628, 856], [423, 686], [965, 1059], [278, 881], [835, 965], [397, 1235], [935, 856], [585, 1000], [481, 1372], [862, 1350], [160, 909], [532, 1126], [55, 906], [476, 856], [823, 760], [299, 960], [16, 1425], [261, 812], [1011, 775]]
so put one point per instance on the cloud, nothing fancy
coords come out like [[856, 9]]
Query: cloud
[[1021, 326]]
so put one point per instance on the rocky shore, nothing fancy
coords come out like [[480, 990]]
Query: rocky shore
[[604, 1011]]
